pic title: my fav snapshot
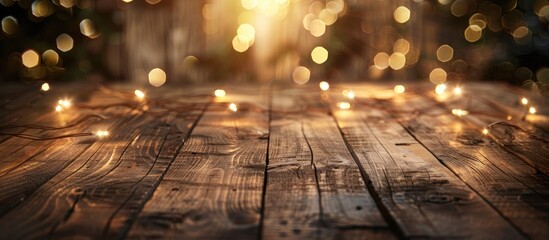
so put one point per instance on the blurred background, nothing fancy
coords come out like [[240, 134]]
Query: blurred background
[[156, 42]]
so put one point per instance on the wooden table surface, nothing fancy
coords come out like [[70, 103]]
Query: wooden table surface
[[288, 164]]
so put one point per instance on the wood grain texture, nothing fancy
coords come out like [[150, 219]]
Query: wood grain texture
[[508, 184], [423, 197], [214, 187], [314, 188]]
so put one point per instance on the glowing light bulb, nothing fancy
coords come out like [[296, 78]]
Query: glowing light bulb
[[524, 101], [532, 110], [65, 103], [219, 93], [485, 131], [139, 94], [460, 112], [45, 87], [233, 107], [344, 105], [399, 89], [440, 89], [458, 91], [102, 133], [58, 108], [324, 86]]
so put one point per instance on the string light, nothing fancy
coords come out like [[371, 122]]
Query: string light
[[344, 105], [485, 131], [399, 89], [440, 89], [458, 91], [219, 93], [524, 101], [460, 112], [58, 108], [532, 110], [233, 107], [139, 94], [324, 86], [102, 133], [45, 87], [348, 93]]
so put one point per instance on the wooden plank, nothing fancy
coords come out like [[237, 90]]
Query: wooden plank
[[314, 188], [508, 184], [213, 189], [97, 194], [423, 197]]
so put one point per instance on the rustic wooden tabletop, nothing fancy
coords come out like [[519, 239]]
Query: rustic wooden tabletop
[[281, 163]]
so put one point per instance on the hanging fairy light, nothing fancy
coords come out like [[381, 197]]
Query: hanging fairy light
[[139, 94], [233, 107], [219, 93], [344, 105], [102, 133], [524, 101], [458, 91], [532, 110]]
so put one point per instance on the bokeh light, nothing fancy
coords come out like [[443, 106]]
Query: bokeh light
[[157, 77]]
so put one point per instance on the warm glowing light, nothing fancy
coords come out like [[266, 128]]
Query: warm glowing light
[[30, 58], [317, 27], [402, 14], [445, 53], [219, 93], [65, 103], [102, 133], [139, 94], [399, 89], [458, 91], [397, 61], [532, 110], [440, 89], [10, 25], [319, 55], [459, 112], [246, 33], [50, 57], [301, 75], [324, 86], [240, 46], [348, 93], [344, 105], [401, 46], [473, 33], [157, 77], [127, 1], [45, 87], [524, 101], [381, 60], [87, 28], [58, 108], [438, 76], [233, 107], [64, 42], [153, 1], [485, 131]]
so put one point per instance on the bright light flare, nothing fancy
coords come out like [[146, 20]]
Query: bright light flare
[[45, 87], [532, 110], [460, 112], [524, 101], [344, 105], [399, 89], [440, 89], [102, 133], [458, 91], [219, 93], [485, 131], [324, 86], [139, 94], [349, 94], [233, 107]]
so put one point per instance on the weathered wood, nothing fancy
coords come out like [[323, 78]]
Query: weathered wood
[[508, 184], [423, 197], [314, 188], [213, 189], [109, 181]]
